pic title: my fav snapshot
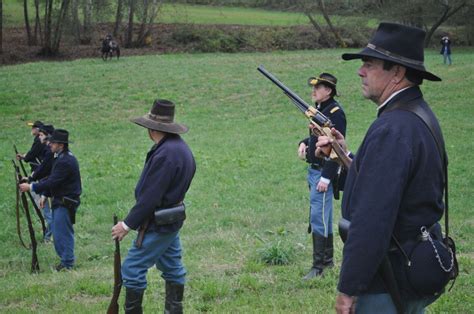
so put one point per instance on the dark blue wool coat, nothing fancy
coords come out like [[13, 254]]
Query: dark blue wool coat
[[165, 179], [338, 118], [64, 180], [394, 185]]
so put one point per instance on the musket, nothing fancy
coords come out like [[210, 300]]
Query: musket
[[17, 206], [34, 257], [32, 199], [321, 124], [113, 306]]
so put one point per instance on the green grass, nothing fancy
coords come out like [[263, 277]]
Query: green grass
[[249, 188], [198, 14]]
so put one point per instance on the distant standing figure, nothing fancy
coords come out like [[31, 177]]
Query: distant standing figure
[[109, 47], [322, 174], [446, 49]]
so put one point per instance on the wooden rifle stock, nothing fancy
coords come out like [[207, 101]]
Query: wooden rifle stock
[[113, 306], [322, 124], [32, 199], [34, 257]]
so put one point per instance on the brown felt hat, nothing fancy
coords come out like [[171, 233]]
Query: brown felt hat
[[161, 118]]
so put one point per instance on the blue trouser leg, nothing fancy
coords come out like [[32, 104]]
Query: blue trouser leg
[[447, 57], [382, 303], [48, 217], [320, 205], [63, 233], [162, 250]]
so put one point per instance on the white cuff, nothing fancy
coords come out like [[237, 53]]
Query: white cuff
[[325, 180], [124, 225]]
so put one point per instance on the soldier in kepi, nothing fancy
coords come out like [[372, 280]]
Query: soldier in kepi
[[63, 185], [159, 211], [393, 195], [34, 155], [322, 174]]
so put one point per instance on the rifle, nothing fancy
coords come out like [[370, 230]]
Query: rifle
[[321, 124], [17, 207], [113, 306], [37, 210], [34, 257]]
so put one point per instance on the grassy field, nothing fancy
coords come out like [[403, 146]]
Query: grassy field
[[179, 13], [249, 194]]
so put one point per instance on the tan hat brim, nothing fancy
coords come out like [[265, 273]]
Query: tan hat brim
[[175, 128]]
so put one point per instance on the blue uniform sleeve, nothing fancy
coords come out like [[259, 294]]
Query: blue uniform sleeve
[[383, 163], [59, 174], [155, 181]]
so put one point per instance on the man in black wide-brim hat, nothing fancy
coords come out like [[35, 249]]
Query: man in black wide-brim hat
[[395, 183], [63, 185], [165, 179]]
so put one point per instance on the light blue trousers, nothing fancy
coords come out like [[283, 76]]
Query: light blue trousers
[[48, 217], [160, 250], [63, 233], [447, 57], [382, 303], [320, 205]]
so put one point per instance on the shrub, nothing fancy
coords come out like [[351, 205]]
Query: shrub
[[277, 254]]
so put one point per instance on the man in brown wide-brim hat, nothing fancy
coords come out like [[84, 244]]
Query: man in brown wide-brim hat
[[394, 186], [166, 177]]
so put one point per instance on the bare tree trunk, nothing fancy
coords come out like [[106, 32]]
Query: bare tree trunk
[[38, 23], [59, 25], [76, 23], [443, 18], [1, 26], [27, 23], [118, 17], [341, 42], [129, 35], [47, 27], [87, 22], [319, 29], [141, 31]]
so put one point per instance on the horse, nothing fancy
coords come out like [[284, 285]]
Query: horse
[[109, 47]]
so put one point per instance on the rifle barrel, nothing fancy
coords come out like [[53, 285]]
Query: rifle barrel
[[300, 103]]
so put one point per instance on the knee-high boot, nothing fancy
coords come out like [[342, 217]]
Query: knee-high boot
[[174, 298], [133, 301], [318, 256], [328, 252]]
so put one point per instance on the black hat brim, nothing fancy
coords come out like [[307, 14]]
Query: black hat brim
[[51, 140], [367, 52], [175, 128]]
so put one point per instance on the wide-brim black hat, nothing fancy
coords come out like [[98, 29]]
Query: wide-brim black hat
[[59, 136], [399, 44], [161, 118]]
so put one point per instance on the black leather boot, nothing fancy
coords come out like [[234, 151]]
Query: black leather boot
[[174, 298], [318, 257], [133, 301], [328, 252]]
